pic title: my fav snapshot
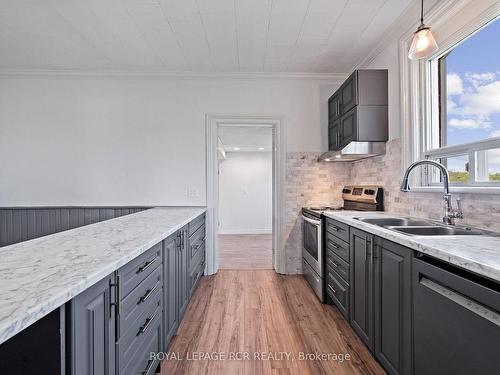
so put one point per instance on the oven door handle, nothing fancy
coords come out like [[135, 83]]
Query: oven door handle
[[315, 222]]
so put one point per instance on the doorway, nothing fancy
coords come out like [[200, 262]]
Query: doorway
[[245, 205], [245, 197]]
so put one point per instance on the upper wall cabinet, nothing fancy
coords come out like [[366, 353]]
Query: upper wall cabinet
[[333, 107], [357, 111]]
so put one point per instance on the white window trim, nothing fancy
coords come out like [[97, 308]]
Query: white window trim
[[417, 83]]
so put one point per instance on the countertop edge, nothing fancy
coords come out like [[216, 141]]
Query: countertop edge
[[13, 327], [412, 242]]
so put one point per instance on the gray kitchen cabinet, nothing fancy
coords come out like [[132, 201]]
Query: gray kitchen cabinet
[[333, 106], [171, 289], [183, 270], [196, 255], [348, 93], [334, 135], [363, 87], [348, 127], [392, 275], [361, 284], [338, 257], [112, 327], [357, 111], [338, 290], [456, 320], [92, 331]]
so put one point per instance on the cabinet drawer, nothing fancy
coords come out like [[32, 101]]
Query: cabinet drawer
[[142, 364], [338, 290], [196, 224], [196, 246], [140, 331], [138, 269], [132, 306], [196, 274], [338, 264], [339, 247], [337, 229]]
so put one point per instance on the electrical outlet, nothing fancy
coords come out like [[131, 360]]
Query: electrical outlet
[[193, 192]]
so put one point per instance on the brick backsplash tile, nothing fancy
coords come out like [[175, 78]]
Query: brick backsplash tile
[[309, 182]]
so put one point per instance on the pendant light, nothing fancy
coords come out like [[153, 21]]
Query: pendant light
[[423, 44]]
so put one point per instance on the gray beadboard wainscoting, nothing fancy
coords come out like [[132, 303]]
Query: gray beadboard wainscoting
[[26, 223]]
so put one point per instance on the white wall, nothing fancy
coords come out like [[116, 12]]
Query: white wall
[[83, 140], [245, 193]]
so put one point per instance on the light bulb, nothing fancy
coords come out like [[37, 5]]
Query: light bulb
[[423, 44]]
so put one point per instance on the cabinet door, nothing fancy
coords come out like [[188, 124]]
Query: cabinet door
[[334, 135], [183, 271], [333, 107], [362, 285], [348, 93], [348, 127], [93, 331], [171, 289], [393, 306]]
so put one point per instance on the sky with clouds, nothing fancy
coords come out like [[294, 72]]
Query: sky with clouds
[[473, 88]]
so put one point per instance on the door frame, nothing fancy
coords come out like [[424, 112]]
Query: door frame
[[278, 184]]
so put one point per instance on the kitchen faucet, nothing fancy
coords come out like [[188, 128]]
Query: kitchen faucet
[[449, 214]]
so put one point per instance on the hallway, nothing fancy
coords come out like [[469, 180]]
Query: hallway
[[245, 251]]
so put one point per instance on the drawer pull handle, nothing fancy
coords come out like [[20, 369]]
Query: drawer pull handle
[[334, 245], [333, 290], [146, 324], [336, 229], [148, 294], [145, 266], [335, 264], [148, 367]]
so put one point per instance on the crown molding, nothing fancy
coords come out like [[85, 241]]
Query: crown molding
[[333, 77]]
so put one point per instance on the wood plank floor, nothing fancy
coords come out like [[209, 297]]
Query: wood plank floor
[[245, 251], [259, 311]]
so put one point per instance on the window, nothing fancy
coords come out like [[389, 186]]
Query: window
[[465, 132]]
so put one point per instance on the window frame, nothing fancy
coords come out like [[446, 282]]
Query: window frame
[[421, 102], [438, 123]]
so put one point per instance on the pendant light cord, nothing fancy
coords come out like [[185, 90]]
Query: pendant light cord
[[422, 13]]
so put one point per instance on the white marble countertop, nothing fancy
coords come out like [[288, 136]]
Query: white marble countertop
[[476, 253], [39, 275]]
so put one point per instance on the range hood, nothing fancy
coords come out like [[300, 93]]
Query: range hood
[[354, 151]]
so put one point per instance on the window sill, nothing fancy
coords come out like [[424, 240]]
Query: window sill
[[458, 189]]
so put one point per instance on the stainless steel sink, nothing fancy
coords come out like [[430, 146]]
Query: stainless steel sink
[[434, 230], [418, 227], [395, 222]]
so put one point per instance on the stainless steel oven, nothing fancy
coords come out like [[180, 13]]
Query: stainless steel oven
[[312, 240], [312, 252]]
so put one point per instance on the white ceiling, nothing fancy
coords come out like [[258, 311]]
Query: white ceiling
[[246, 138], [315, 36]]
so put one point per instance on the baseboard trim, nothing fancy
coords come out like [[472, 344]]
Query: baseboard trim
[[248, 231]]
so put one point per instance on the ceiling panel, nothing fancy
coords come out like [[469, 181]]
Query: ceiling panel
[[324, 36]]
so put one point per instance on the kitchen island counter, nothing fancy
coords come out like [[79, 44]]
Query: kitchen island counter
[[40, 275]]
